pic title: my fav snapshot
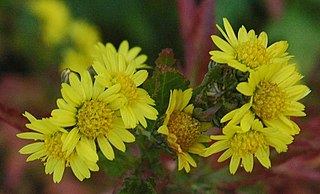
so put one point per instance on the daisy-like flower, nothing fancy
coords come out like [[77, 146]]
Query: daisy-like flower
[[130, 54], [247, 52], [274, 92], [112, 69], [92, 114], [48, 148], [242, 147], [184, 134]]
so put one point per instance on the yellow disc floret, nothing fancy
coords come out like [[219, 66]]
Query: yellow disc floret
[[269, 100], [53, 146], [94, 118], [252, 54], [185, 128], [247, 143], [128, 87]]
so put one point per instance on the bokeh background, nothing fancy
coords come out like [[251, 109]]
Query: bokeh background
[[31, 62]]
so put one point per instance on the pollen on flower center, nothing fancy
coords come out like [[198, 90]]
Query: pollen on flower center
[[53, 146], [247, 143], [128, 87], [185, 128], [94, 118], [268, 100], [252, 54]]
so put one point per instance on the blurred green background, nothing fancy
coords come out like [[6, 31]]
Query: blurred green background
[[154, 25]]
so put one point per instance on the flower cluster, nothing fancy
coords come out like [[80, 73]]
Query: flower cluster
[[100, 107], [99, 110], [273, 90]]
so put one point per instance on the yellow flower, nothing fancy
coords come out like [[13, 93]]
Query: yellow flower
[[247, 52], [274, 92], [113, 69], [76, 61], [92, 113], [183, 131], [48, 148], [55, 17], [83, 37], [130, 54], [242, 147]]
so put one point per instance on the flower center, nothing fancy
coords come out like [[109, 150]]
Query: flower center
[[268, 100], [128, 87], [252, 54], [94, 118], [247, 143], [185, 128], [53, 146]]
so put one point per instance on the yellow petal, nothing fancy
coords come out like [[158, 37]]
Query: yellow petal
[[31, 148], [58, 171], [106, 148], [217, 147], [227, 154], [31, 135], [139, 77], [234, 164], [124, 47], [70, 142], [223, 45], [247, 162], [116, 141], [245, 89], [230, 33], [263, 157], [163, 130], [125, 135], [263, 38], [86, 152], [220, 57]]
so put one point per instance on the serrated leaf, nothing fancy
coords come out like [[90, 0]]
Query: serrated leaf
[[166, 57], [136, 184], [161, 83]]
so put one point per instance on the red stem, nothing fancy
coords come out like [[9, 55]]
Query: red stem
[[12, 117], [196, 24]]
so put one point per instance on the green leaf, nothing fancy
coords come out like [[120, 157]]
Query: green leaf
[[217, 93], [136, 184], [165, 78], [123, 162], [161, 83], [166, 57]]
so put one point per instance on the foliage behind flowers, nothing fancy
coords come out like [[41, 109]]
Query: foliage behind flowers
[[250, 96]]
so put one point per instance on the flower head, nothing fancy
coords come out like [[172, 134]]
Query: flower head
[[92, 114], [48, 148], [242, 147], [130, 54], [183, 132], [274, 92], [114, 69], [248, 51]]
